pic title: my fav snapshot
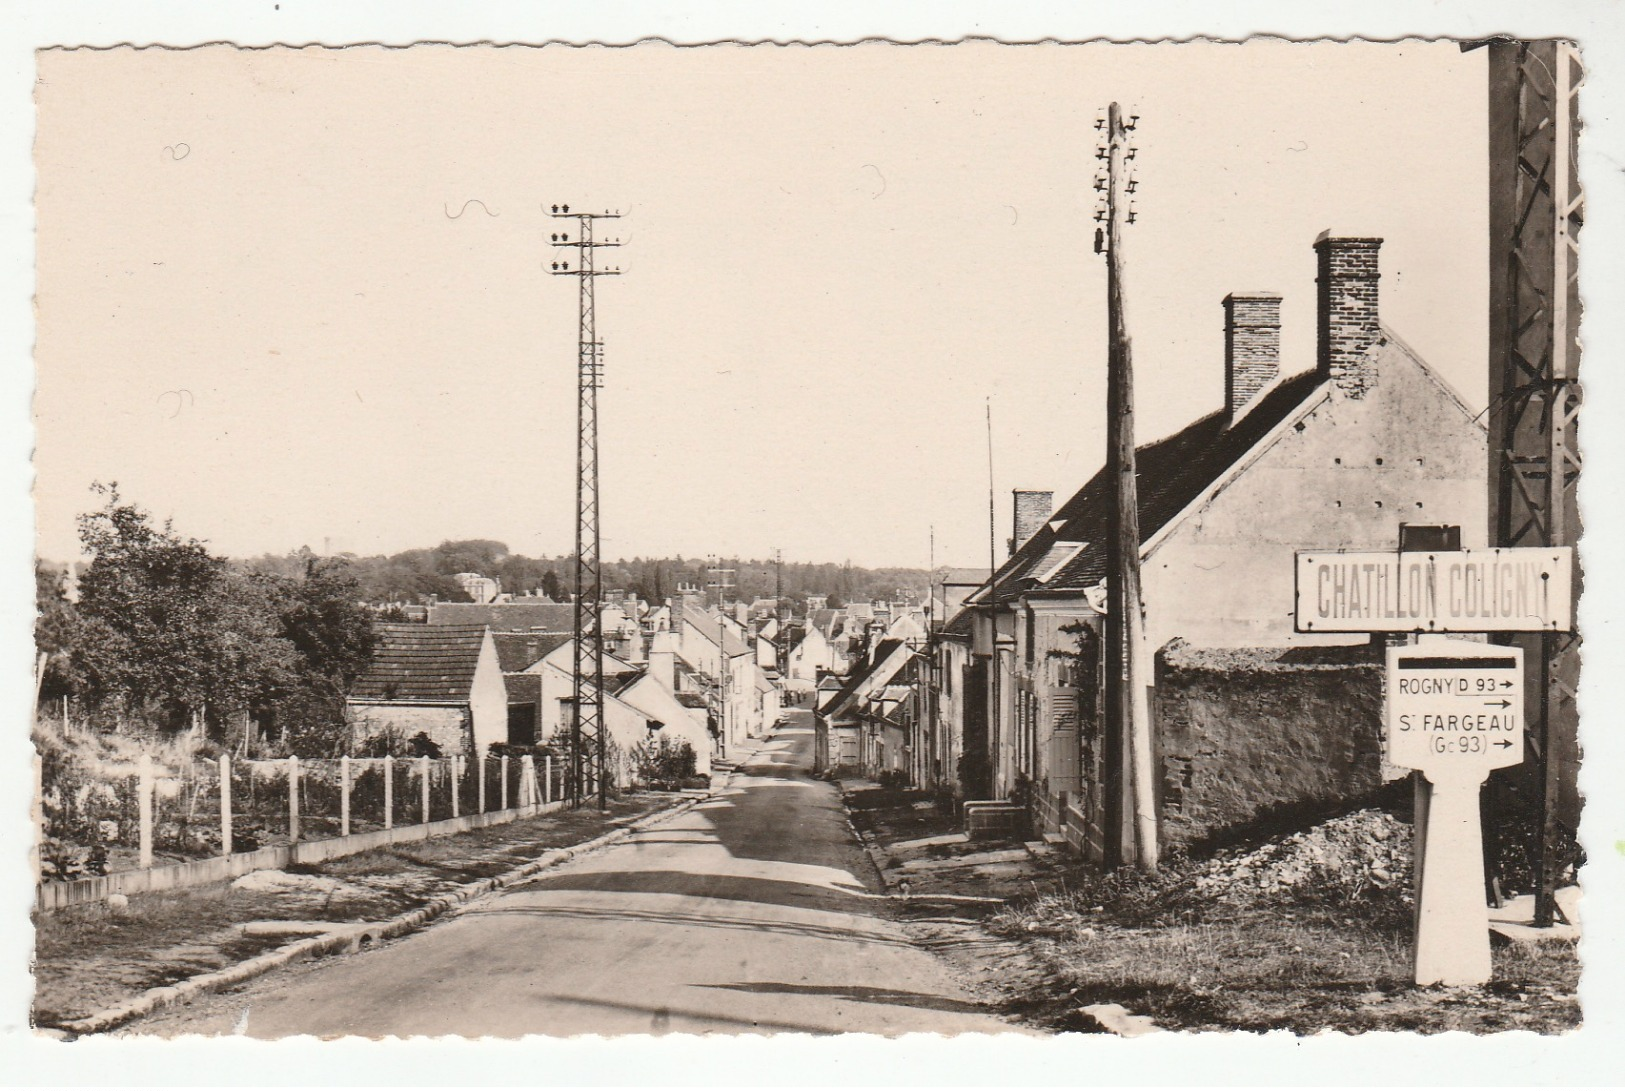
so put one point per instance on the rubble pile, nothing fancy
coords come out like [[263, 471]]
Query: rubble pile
[[1362, 852]]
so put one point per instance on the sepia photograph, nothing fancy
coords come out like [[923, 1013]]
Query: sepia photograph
[[1040, 540]]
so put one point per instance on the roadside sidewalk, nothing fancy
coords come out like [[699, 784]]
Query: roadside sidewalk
[[100, 965], [920, 851]]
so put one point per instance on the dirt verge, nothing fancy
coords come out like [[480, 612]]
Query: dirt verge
[[1304, 935]]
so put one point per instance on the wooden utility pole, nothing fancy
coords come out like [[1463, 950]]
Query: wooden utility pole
[[1130, 799]]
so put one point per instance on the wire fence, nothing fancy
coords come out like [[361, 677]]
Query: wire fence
[[102, 816]]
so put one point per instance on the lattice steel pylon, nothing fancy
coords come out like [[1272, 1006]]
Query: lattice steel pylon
[[589, 736], [1535, 214]]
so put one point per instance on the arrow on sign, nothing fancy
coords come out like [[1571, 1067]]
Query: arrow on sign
[[1503, 743], [1506, 685], [1499, 704]]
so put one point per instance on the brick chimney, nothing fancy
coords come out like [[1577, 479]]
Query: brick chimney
[[1348, 319], [1032, 510], [1252, 347]]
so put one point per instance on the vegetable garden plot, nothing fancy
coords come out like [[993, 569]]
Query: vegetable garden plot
[[259, 801]]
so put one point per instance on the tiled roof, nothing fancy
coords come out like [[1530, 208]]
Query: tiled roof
[[517, 651], [860, 675], [960, 625], [431, 664], [507, 617], [523, 689], [716, 631], [1171, 473]]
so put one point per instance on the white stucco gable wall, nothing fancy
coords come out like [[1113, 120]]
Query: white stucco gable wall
[[488, 698], [1342, 475]]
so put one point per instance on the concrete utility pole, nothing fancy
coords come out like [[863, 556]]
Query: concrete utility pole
[[588, 735], [1131, 803]]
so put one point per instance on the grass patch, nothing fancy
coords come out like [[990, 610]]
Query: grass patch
[[1316, 960]]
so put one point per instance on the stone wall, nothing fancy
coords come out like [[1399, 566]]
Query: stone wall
[[446, 726], [1246, 737]]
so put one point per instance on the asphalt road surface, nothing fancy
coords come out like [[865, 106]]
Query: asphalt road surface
[[754, 912]]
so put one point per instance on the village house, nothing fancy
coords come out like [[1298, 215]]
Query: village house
[[518, 652], [812, 653], [443, 682], [714, 644], [844, 727], [1250, 718], [640, 705]]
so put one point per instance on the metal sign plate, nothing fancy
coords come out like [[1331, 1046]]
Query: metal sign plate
[[1455, 706], [1466, 591]]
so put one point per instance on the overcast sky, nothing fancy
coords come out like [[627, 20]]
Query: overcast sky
[[262, 313]]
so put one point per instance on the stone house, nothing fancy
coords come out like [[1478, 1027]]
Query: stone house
[[442, 681]]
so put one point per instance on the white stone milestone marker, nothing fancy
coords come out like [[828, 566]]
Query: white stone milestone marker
[[1454, 711]]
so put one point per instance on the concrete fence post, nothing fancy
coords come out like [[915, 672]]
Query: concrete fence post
[[456, 784], [527, 781], [547, 782], [293, 798], [143, 807], [344, 796], [423, 778], [502, 770], [480, 763], [225, 804], [389, 793]]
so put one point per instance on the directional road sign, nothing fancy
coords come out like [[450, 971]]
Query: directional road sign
[[1455, 707]]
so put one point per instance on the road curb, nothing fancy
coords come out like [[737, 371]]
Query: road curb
[[354, 938]]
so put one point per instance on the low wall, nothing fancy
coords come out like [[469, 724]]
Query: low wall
[[218, 868], [1250, 736]]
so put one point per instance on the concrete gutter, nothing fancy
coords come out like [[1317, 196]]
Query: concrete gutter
[[349, 939]]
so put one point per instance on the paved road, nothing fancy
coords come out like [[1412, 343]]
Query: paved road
[[754, 912]]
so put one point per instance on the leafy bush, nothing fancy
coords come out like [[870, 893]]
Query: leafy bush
[[61, 861], [663, 764]]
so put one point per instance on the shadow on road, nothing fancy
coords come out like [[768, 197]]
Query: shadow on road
[[861, 993], [709, 918], [719, 886]]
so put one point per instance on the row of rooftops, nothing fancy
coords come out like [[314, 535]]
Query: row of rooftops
[[1066, 554]]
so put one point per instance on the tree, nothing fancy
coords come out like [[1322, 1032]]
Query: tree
[[167, 630], [56, 625], [321, 618]]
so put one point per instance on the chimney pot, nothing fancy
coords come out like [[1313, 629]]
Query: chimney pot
[[1252, 346], [1032, 510], [1349, 325]]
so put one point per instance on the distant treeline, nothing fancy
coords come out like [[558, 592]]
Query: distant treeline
[[417, 574]]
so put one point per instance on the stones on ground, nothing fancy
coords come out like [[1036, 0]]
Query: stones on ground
[[292, 928], [1116, 1019], [271, 881], [1369, 847]]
